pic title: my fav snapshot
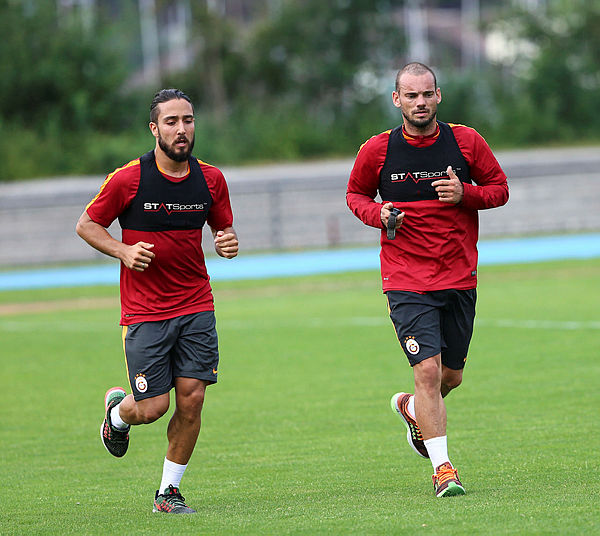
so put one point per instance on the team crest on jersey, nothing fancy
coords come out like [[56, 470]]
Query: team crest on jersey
[[140, 383], [411, 345]]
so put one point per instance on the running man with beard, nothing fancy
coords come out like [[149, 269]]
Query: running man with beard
[[162, 201], [437, 176]]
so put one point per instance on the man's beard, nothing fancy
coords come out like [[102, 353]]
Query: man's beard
[[177, 156], [420, 123]]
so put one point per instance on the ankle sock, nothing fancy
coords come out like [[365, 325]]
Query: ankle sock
[[172, 474], [437, 448], [115, 419]]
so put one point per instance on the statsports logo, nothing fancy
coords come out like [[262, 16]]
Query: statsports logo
[[418, 176], [171, 208]]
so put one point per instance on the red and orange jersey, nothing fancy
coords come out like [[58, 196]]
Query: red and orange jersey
[[176, 282], [436, 247]]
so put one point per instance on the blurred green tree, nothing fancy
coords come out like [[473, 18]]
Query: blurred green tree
[[555, 88], [328, 56], [306, 79], [56, 73], [61, 89]]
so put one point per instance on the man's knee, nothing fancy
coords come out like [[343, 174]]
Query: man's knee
[[451, 379], [191, 404], [190, 399], [151, 410], [428, 373], [195, 400]]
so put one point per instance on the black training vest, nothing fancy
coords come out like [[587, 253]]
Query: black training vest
[[408, 171], [164, 205]]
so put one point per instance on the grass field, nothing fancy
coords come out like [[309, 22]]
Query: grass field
[[298, 436]]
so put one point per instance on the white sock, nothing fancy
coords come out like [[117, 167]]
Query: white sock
[[437, 448], [115, 419], [172, 473], [410, 407]]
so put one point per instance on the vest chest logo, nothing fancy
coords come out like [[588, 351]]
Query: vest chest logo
[[172, 208], [418, 176]]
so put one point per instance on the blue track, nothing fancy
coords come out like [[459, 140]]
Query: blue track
[[314, 262]]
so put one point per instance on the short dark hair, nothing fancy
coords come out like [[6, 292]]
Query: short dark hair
[[165, 95], [415, 68]]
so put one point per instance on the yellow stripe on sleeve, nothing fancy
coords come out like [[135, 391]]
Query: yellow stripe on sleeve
[[384, 132], [110, 176], [205, 163]]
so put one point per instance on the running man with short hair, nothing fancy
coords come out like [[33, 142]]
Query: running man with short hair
[[432, 178], [162, 201]]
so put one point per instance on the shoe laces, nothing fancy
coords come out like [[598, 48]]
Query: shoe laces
[[173, 496], [412, 423], [416, 432], [444, 473], [114, 434]]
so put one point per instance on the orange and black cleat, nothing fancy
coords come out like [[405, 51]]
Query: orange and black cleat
[[446, 482]]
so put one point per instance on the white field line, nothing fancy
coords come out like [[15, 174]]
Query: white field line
[[565, 325], [481, 322], [383, 320]]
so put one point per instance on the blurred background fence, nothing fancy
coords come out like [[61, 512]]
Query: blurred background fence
[[294, 206]]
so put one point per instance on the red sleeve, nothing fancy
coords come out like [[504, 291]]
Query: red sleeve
[[115, 194], [490, 189], [364, 180], [220, 214]]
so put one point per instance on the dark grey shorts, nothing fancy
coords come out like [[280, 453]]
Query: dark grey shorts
[[434, 322], [157, 352]]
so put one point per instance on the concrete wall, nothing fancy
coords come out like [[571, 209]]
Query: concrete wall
[[303, 206]]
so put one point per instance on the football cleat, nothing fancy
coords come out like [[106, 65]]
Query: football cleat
[[115, 441], [446, 482], [170, 501], [414, 437]]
